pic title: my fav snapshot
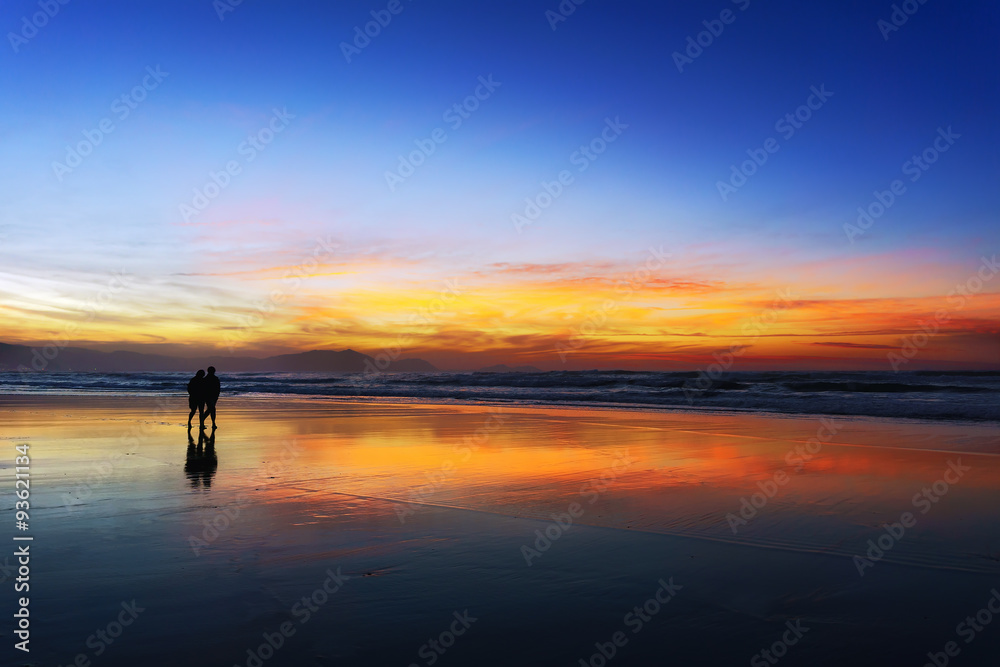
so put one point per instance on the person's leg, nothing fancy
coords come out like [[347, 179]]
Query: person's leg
[[201, 414], [211, 410], [194, 408]]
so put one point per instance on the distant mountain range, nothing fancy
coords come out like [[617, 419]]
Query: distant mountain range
[[20, 357]]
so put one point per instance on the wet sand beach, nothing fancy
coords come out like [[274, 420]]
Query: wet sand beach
[[332, 532]]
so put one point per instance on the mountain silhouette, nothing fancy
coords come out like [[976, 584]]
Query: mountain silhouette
[[21, 357]]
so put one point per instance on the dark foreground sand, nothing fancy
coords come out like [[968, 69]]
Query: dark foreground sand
[[350, 533]]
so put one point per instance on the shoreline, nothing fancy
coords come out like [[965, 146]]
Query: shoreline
[[500, 402], [957, 398]]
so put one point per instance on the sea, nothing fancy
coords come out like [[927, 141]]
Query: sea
[[923, 395]]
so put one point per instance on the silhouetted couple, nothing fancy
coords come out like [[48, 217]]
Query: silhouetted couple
[[203, 394]]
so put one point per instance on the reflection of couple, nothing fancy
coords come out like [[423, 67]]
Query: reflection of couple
[[201, 460], [203, 393]]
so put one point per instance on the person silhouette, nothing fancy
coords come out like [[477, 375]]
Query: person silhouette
[[196, 397], [212, 390], [201, 460]]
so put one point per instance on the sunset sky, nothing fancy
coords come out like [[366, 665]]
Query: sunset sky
[[440, 262]]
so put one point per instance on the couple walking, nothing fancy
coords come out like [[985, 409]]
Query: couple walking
[[203, 393]]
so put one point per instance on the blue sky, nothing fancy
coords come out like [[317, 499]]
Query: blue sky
[[656, 184]]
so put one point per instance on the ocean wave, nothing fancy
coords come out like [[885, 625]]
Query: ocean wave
[[883, 387], [950, 396]]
